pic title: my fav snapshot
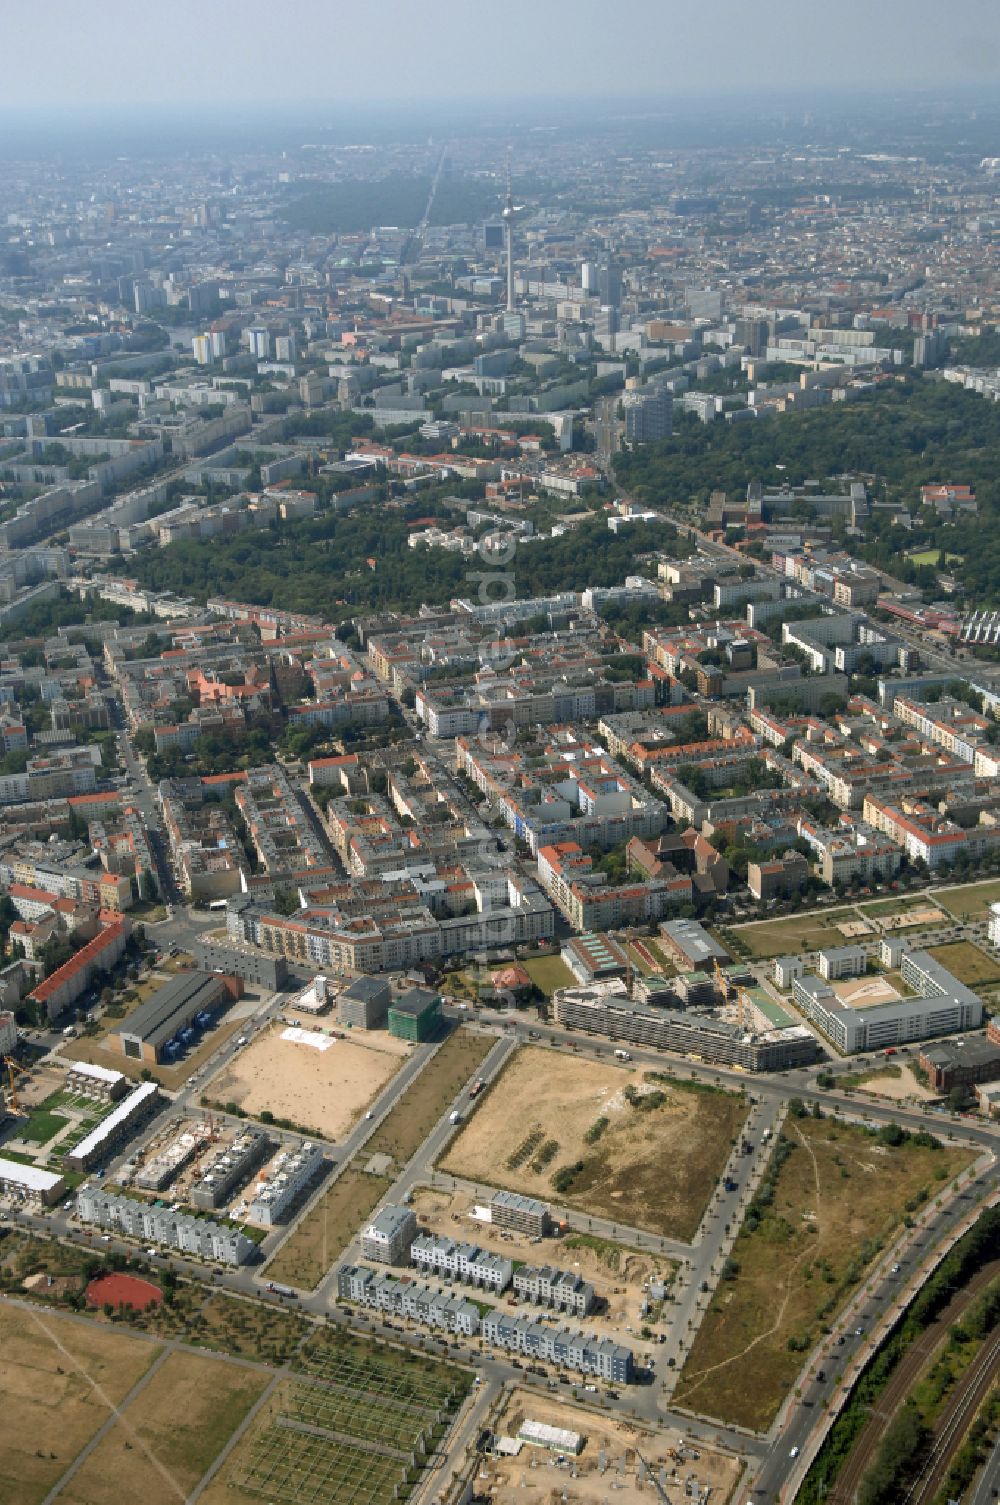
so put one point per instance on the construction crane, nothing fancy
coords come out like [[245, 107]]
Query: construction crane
[[13, 1067]]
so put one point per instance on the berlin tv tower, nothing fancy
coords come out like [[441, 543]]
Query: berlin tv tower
[[511, 212]]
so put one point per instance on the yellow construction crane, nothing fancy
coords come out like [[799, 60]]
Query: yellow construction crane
[[720, 978], [12, 1067]]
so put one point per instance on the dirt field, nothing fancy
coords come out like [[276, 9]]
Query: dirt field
[[166, 1439], [534, 1477], [304, 1258], [838, 1192], [897, 1085], [324, 1091], [59, 1379], [618, 1274], [652, 1169], [968, 963]]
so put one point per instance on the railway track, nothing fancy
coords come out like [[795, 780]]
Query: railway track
[[905, 1376], [957, 1417]]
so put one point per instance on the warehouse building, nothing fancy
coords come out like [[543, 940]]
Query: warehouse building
[[172, 1009], [97, 1082], [961, 1063], [114, 1130], [222, 1242], [30, 1184], [256, 968], [276, 1192], [509, 1209], [364, 1003], [389, 1235], [415, 1015], [465, 1262], [229, 1168]]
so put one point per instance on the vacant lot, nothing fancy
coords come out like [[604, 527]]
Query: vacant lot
[[968, 963], [795, 933], [549, 973], [970, 900], [59, 1379], [403, 1131], [166, 1439], [324, 1091], [645, 1167], [834, 1196], [330, 1223]]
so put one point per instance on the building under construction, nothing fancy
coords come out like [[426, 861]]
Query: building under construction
[[606, 1009]]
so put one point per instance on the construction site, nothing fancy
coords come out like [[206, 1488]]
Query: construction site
[[632, 1286], [722, 1015], [542, 1450], [241, 1173]]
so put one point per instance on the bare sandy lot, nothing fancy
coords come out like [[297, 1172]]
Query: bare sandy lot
[[534, 1477], [865, 992], [324, 1091], [898, 1088], [641, 1161], [618, 1273]]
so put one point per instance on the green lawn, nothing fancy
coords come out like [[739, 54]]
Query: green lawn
[[43, 1125], [969, 899], [793, 933], [549, 973]]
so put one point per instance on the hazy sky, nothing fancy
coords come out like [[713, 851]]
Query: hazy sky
[[211, 52]]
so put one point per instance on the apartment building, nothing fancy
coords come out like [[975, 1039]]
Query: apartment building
[[942, 1006], [277, 1192], [408, 1298], [559, 1289], [460, 1261], [389, 1237], [221, 1243], [509, 1209], [591, 903]]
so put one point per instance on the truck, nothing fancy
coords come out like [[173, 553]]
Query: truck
[[69, 1032], [280, 1290], [477, 1087], [622, 1055]]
